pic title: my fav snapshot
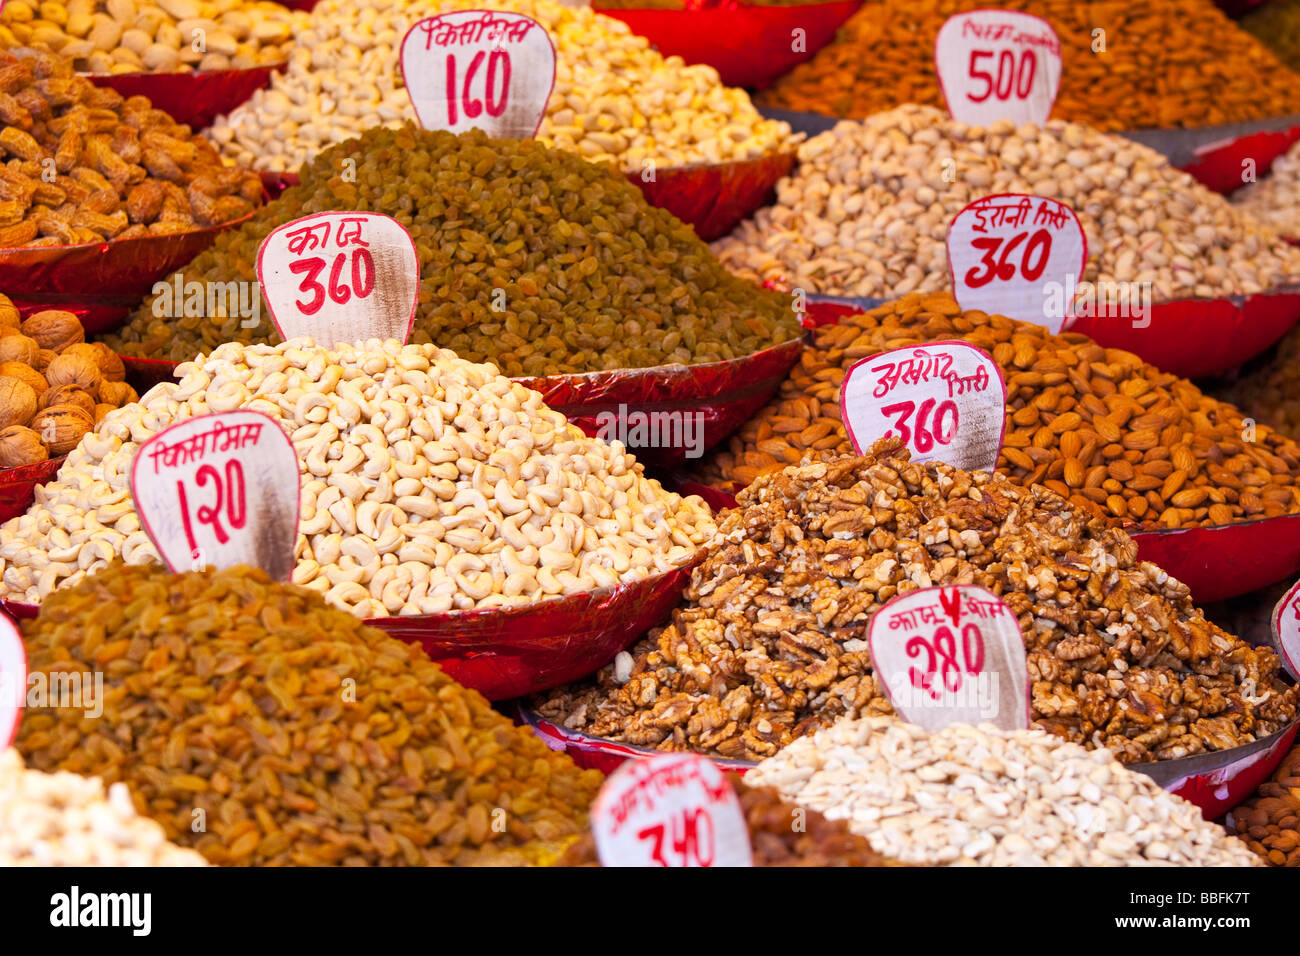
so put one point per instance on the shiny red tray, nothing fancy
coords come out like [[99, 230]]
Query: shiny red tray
[[192, 98], [18, 485], [715, 198], [747, 45]]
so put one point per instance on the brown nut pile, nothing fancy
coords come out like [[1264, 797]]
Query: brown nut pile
[[1268, 389], [82, 165], [54, 388], [1098, 426], [1269, 822], [1165, 63], [780, 834], [771, 642], [260, 726]]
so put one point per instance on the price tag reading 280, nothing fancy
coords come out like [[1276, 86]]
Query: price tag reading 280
[[220, 490], [673, 810], [1017, 255], [341, 277], [479, 69], [951, 655], [998, 64], [944, 400]]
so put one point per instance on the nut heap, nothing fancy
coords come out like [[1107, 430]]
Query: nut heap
[[63, 819], [615, 97], [428, 484], [123, 169], [1098, 426], [54, 388], [1269, 821], [167, 36], [866, 212], [302, 735], [531, 258], [1164, 63], [775, 840], [986, 797], [1275, 199], [771, 644], [1268, 390], [1277, 26]]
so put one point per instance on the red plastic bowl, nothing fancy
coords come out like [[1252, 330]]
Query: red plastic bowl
[[18, 485], [1226, 560], [1215, 154], [192, 98], [714, 198], [747, 45]]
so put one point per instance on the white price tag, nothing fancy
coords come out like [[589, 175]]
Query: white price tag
[[998, 64], [220, 490], [944, 400], [1018, 256], [13, 680], [951, 655], [1286, 630], [669, 810], [479, 69], [340, 277]]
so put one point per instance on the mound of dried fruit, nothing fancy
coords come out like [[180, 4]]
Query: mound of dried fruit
[[1269, 822]]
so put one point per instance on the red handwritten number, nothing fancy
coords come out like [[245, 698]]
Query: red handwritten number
[[997, 267], [923, 437], [339, 293], [941, 660], [230, 494], [977, 75], [451, 89], [363, 279], [312, 268], [499, 107], [655, 833], [498, 62], [363, 284], [692, 839], [1012, 77]]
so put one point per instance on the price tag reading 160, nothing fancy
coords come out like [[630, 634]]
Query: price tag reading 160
[[998, 64]]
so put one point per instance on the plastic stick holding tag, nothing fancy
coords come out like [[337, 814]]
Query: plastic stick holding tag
[[479, 69], [220, 490], [341, 277], [674, 810], [998, 64], [13, 680], [1286, 629], [945, 400], [951, 655], [1017, 255]]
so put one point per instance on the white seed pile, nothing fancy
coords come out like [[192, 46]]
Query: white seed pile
[[615, 97], [1275, 199], [429, 484], [65, 819], [866, 211], [985, 797]]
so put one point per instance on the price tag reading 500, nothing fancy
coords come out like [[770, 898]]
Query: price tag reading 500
[[998, 64], [479, 69], [220, 490]]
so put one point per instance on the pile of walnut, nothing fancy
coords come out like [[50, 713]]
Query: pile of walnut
[[771, 644], [54, 388], [83, 165]]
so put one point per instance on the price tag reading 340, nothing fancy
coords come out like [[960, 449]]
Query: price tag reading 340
[[951, 655], [944, 400], [1286, 629], [998, 64], [670, 810], [1015, 255], [479, 69], [220, 490], [341, 277]]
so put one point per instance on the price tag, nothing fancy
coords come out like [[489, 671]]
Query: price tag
[[951, 655], [1286, 630], [945, 400], [998, 64], [220, 490], [13, 680], [340, 277], [670, 810], [479, 69], [1019, 256]]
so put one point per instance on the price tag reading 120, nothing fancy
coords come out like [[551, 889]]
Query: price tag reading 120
[[1286, 629], [951, 655], [944, 400], [220, 490], [1016, 255], [479, 69], [669, 810], [13, 680], [340, 277], [998, 64]]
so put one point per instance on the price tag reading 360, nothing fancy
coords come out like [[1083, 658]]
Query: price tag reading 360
[[479, 69], [220, 490], [998, 64], [341, 277], [944, 400], [951, 655], [670, 810]]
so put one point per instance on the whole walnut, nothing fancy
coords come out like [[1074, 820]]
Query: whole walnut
[[19, 445], [110, 363], [17, 401], [117, 394], [61, 427], [43, 359], [24, 372], [67, 395], [9, 317], [18, 348], [54, 329], [78, 370]]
